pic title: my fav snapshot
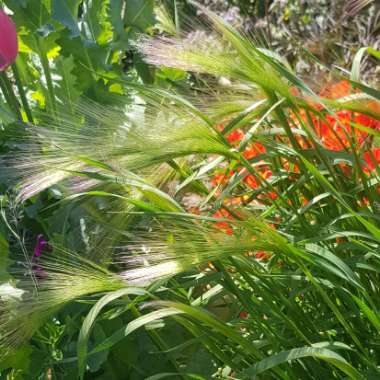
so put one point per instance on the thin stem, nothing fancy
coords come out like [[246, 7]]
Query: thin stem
[[47, 73], [22, 93], [5, 92], [9, 94]]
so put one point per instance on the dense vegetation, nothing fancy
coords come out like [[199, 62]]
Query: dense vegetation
[[180, 201]]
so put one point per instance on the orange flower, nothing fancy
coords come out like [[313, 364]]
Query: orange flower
[[369, 159], [272, 195], [251, 180], [219, 127], [287, 166], [253, 151], [221, 178], [262, 255], [336, 90], [335, 129], [223, 225]]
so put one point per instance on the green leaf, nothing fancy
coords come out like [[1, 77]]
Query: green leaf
[[18, 361], [204, 299], [6, 115], [65, 12], [373, 316], [297, 353], [366, 89], [98, 28], [34, 15], [166, 375], [144, 71], [355, 70], [336, 265]]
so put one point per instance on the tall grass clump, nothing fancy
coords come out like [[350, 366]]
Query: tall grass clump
[[244, 208]]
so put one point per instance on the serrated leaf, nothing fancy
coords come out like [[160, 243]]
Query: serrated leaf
[[68, 92], [97, 26], [65, 12], [139, 14]]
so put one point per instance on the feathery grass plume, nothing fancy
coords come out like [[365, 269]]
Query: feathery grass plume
[[352, 7], [222, 52], [122, 194], [174, 243], [132, 141], [165, 22], [62, 277]]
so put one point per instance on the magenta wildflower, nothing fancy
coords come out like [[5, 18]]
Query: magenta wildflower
[[8, 41], [41, 245]]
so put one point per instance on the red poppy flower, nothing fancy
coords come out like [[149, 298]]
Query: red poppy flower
[[235, 136], [8, 41]]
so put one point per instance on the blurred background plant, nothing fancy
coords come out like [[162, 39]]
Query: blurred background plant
[[331, 30]]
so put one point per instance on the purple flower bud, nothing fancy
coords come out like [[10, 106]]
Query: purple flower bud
[[8, 41]]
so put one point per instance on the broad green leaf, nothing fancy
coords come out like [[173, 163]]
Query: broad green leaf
[[34, 15], [90, 320], [97, 27], [144, 320], [18, 361]]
